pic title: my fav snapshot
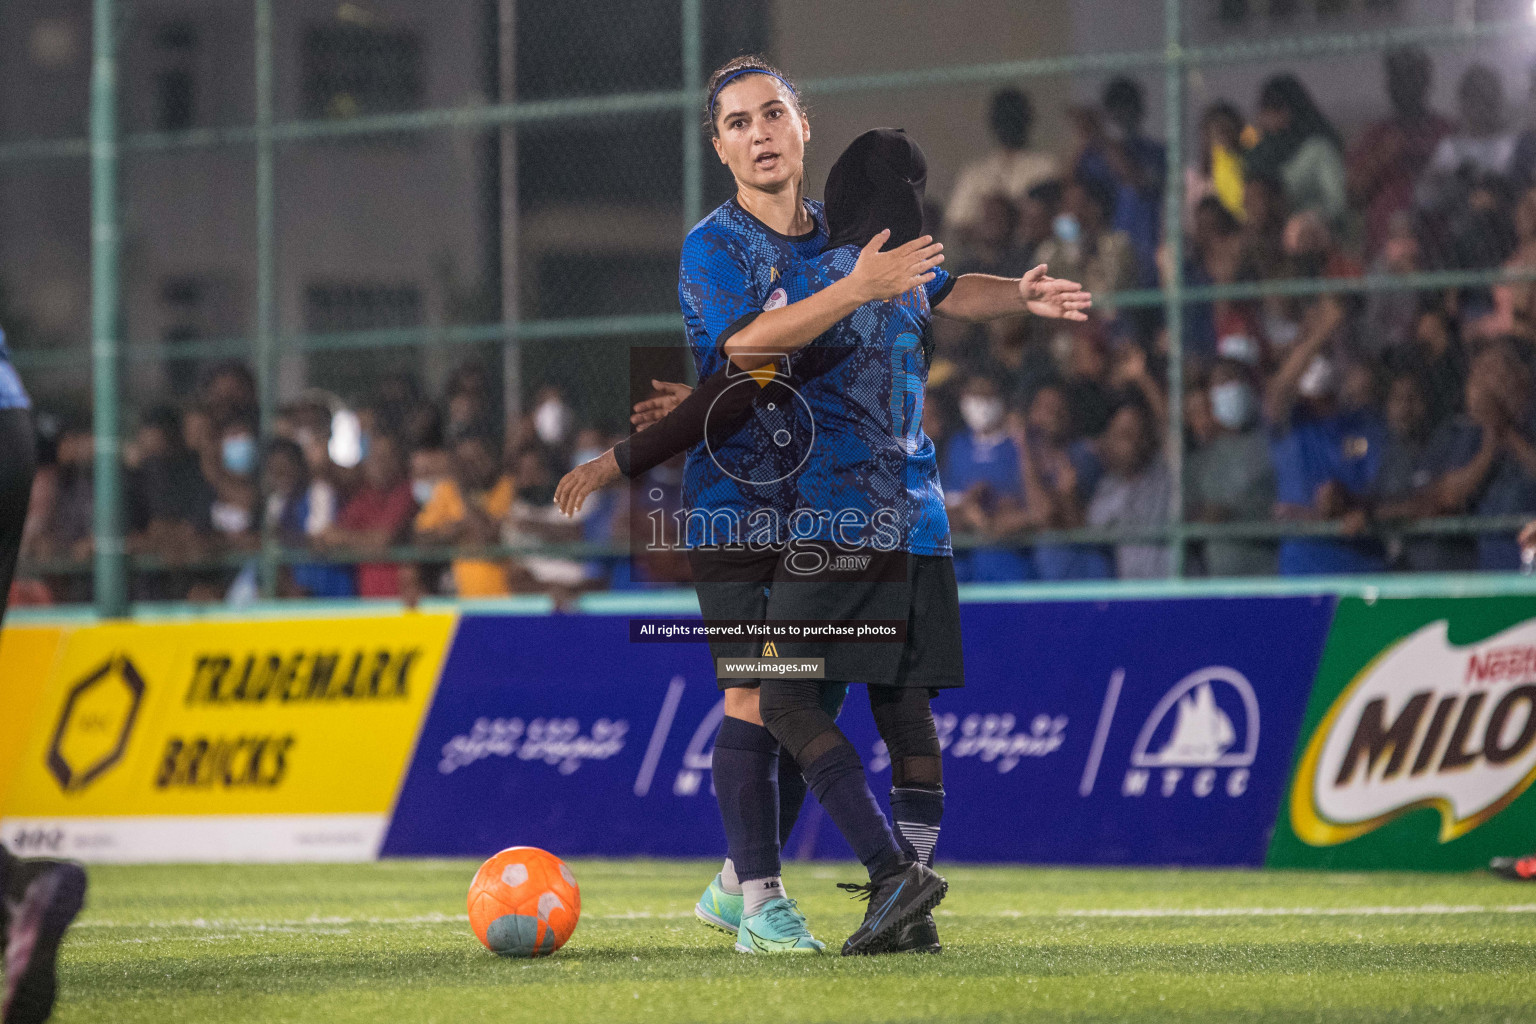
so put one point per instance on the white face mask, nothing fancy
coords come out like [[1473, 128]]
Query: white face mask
[[1319, 379], [1067, 229], [981, 413], [422, 489], [1233, 404], [551, 420]]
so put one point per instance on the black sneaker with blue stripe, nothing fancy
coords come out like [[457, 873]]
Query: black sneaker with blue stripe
[[894, 902]]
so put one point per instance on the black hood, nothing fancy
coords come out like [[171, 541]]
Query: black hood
[[877, 183]]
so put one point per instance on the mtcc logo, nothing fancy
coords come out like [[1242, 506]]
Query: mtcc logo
[[1201, 738], [95, 723]]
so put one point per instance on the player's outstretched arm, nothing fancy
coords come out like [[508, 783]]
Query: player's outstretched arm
[[979, 297], [876, 277]]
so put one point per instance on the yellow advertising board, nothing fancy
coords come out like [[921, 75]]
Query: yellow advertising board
[[27, 656], [212, 740]]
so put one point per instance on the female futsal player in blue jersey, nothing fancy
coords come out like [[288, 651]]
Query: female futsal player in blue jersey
[[742, 278], [756, 122]]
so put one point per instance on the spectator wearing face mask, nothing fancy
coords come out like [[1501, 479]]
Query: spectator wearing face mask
[[1325, 457], [1134, 492], [230, 466], [1010, 170], [982, 484], [1085, 246], [1231, 479]]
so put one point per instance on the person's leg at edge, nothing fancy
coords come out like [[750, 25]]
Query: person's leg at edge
[[40, 897], [745, 765], [792, 786], [905, 722], [900, 889], [792, 711]]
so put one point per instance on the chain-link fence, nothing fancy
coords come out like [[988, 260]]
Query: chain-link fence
[[280, 231]]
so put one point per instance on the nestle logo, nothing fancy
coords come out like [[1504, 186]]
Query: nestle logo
[[1502, 664]]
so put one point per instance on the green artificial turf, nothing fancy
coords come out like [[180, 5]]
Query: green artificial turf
[[389, 942]]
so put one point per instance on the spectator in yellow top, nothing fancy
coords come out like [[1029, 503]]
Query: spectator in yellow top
[[467, 510]]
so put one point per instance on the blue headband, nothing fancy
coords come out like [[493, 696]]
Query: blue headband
[[728, 79]]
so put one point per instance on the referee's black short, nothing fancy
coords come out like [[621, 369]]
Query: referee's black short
[[918, 590]]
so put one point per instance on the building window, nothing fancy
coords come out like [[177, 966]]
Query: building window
[[331, 306], [175, 80], [352, 69], [1253, 13]]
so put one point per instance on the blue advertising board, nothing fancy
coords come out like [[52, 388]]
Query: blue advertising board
[[1117, 732]]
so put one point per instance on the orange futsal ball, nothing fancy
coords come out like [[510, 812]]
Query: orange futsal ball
[[524, 902]]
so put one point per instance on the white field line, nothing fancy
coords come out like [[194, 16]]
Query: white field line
[[337, 925]]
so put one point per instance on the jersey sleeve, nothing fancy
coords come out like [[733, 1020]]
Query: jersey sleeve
[[716, 293], [939, 288]]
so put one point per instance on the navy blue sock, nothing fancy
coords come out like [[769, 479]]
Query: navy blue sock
[[837, 778], [918, 813], [792, 790], [792, 787], [746, 770]]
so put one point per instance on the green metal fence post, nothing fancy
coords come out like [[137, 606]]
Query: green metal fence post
[[266, 270], [693, 144], [1173, 294], [106, 319]]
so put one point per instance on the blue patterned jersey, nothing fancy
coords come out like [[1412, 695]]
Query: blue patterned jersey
[[734, 267], [872, 477], [12, 394]]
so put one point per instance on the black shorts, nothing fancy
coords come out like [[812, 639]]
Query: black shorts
[[733, 587], [921, 592]]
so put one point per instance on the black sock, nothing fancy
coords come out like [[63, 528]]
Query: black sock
[[747, 788], [792, 790], [918, 813], [837, 778]]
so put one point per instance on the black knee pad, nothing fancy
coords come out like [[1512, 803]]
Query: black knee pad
[[906, 725], [792, 711]]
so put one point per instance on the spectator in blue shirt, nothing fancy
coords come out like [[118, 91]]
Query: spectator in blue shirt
[[1408, 468], [1113, 150], [981, 479], [1485, 460], [1061, 472], [1326, 457]]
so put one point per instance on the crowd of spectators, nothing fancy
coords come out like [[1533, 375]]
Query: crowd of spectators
[[1359, 409], [400, 472], [1364, 410]]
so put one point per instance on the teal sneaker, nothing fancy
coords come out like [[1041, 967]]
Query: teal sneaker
[[778, 928], [718, 908]]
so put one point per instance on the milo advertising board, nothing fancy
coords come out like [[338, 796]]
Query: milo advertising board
[[1418, 748]]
